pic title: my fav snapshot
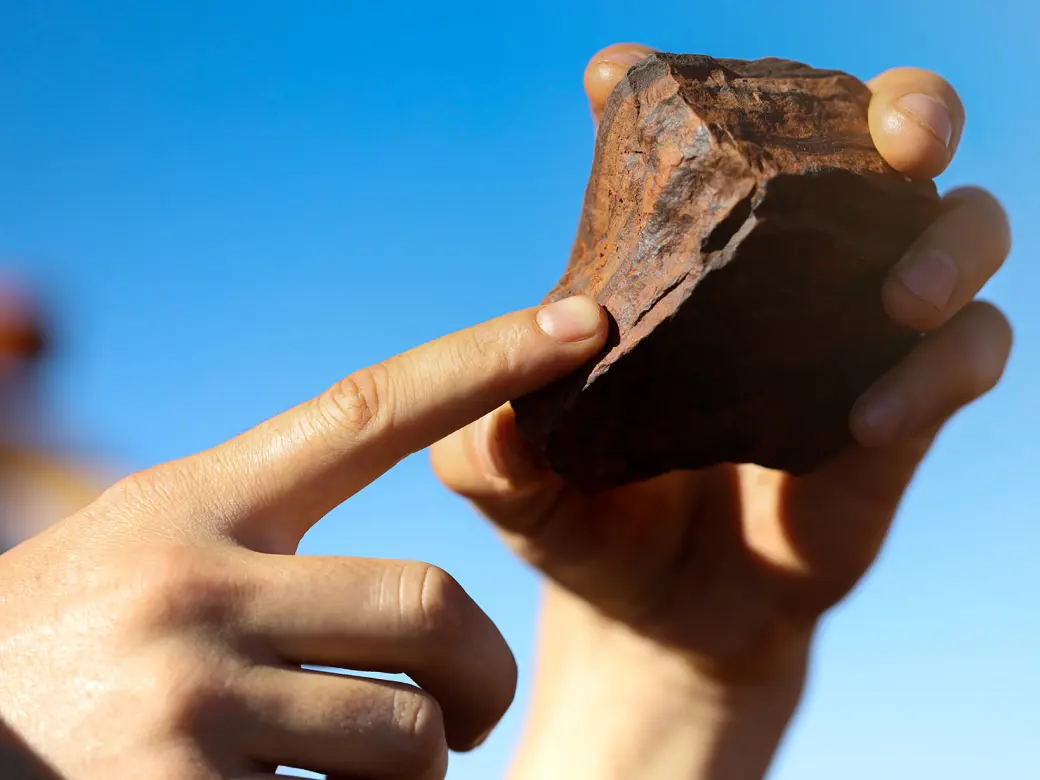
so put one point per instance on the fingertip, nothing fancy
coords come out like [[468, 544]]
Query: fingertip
[[906, 145], [999, 335], [991, 213], [916, 120], [575, 320], [606, 69], [600, 79]]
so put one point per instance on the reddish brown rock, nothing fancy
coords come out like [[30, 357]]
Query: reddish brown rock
[[737, 226]]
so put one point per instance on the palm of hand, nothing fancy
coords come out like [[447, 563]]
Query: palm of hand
[[719, 564]]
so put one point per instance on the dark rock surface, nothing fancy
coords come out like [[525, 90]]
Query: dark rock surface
[[737, 226]]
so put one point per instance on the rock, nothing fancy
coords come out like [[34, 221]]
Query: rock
[[737, 226]]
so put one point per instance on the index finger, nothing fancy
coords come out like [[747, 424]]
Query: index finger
[[290, 471]]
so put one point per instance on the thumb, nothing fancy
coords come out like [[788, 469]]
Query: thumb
[[291, 470], [491, 465]]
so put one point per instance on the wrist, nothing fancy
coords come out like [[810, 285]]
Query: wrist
[[610, 704]]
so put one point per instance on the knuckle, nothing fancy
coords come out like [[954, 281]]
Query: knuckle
[[179, 692], [178, 586], [165, 488], [443, 602], [433, 603], [495, 350], [357, 402], [142, 488], [191, 695], [418, 718]]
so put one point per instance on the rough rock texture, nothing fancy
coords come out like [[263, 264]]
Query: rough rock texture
[[737, 226]]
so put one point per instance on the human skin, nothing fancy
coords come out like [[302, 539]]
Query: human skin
[[679, 613], [160, 632]]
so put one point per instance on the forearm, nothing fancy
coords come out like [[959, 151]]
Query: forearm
[[610, 705]]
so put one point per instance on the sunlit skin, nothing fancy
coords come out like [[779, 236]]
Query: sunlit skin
[[159, 632], [725, 572]]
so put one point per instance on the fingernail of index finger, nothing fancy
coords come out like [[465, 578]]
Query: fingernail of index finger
[[570, 320]]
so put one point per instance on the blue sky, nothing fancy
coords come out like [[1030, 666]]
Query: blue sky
[[236, 203]]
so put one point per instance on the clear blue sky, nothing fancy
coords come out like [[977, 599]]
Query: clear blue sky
[[236, 203]]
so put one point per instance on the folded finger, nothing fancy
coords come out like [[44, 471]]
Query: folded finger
[[387, 616], [343, 725], [950, 263], [948, 370]]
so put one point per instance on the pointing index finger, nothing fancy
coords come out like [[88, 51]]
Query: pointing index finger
[[293, 469]]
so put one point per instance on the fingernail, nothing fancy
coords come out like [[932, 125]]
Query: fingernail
[[570, 320], [626, 59], [931, 275], [929, 112], [880, 415]]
